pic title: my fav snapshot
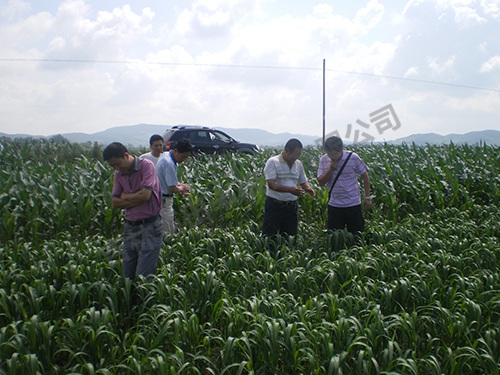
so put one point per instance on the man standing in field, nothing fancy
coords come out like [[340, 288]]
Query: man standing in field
[[137, 190], [156, 146], [167, 174], [339, 170], [285, 181]]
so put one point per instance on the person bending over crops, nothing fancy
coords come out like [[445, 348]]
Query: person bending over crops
[[156, 146], [338, 170], [137, 190], [285, 181], [167, 173]]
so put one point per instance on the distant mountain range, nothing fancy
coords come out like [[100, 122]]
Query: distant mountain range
[[138, 136], [489, 137]]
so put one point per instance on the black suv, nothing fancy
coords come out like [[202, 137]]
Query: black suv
[[206, 140]]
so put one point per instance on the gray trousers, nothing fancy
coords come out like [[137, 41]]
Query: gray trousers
[[167, 215], [141, 248]]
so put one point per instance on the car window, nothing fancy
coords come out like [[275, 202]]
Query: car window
[[220, 137], [203, 136], [168, 135], [197, 136]]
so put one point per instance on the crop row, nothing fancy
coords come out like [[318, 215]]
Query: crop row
[[57, 189], [419, 295], [410, 302]]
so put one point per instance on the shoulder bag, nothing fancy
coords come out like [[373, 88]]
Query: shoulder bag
[[338, 174]]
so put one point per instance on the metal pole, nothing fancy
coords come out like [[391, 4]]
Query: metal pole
[[324, 130]]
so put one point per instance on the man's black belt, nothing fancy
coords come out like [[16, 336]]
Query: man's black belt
[[282, 203], [168, 195], [143, 221]]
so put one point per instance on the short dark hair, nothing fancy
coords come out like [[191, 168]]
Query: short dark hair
[[334, 144], [293, 144], [155, 137], [114, 150], [183, 145]]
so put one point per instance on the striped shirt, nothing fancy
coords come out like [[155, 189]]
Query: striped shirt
[[278, 169], [142, 176], [346, 191]]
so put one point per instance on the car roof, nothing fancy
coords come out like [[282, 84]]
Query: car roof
[[179, 129], [193, 127]]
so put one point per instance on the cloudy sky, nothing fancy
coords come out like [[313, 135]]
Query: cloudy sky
[[392, 67]]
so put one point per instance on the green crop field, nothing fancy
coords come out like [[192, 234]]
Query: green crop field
[[419, 295]]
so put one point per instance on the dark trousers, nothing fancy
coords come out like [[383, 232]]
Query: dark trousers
[[279, 218], [346, 217]]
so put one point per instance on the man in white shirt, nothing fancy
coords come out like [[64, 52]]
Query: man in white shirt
[[156, 146], [285, 181]]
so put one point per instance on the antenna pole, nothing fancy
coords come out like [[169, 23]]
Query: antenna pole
[[324, 130]]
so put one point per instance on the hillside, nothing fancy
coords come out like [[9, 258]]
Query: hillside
[[490, 137], [138, 136]]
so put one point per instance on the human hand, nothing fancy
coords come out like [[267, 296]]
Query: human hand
[[311, 192], [297, 190], [333, 164], [367, 203], [185, 189]]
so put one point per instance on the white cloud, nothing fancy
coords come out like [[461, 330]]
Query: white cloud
[[466, 16], [492, 64], [369, 16], [14, 8], [480, 103], [412, 71], [440, 67], [178, 63], [212, 18], [105, 38], [491, 8]]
